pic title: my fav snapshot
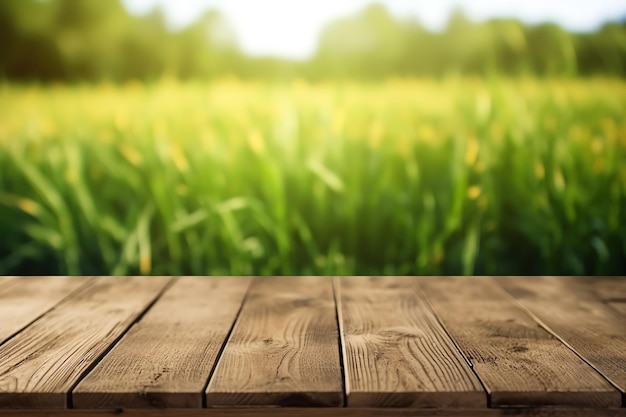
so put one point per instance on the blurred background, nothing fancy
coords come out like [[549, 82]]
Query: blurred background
[[246, 137], [69, 40]]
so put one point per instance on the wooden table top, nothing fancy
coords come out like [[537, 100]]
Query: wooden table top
[[352, 346]]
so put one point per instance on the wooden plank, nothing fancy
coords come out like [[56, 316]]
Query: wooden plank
[[165, 360], [40, 365], [27, 298], [574, 311], [518, 361], [284, 348], [325, 412], [4, 281], [610, 290], [397, 353]]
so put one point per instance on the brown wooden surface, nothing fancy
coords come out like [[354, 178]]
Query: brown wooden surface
[[4, 282], [165, 359], [518, 361], [397, 353], [25, 299], [155, 342], [325, 412], [574, 311], [609, 290], [284, 348], [39, 366]]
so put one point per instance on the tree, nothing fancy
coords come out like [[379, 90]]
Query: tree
[[96, 39], [369, 44]]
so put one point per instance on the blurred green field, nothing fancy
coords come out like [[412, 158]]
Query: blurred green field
[[453, 176]]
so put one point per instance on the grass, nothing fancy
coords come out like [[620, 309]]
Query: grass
[[459, 176]]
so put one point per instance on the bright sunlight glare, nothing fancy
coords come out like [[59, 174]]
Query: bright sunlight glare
[[290, 28]]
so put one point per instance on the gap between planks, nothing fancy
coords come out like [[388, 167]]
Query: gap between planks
[[397, 353], [339, 320], [341, 339], [283, 350], [24, 300], [562, 305], [517, 360], [167, 358], [40, 365]]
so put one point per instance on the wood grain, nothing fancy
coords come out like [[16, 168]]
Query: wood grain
[[325, 412], [284, 348], [4, 281], [397, 353], [610, 290], [40, 365], [166, 358], [518, 361], [575, 311], [27, 298]]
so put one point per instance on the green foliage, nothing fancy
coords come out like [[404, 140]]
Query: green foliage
[[98, 40], [373, 44], [456, 176]]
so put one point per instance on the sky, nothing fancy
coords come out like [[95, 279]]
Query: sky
[[290, 28]]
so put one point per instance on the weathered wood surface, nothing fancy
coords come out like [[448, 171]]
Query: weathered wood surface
[[575, 312], [284, 348], [40, 365], [325, 412], [27, 298], [518, 361], [352, 346], [609, 290], [165, 359], [398, 355]]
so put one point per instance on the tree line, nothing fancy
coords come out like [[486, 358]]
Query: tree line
[[70, 40]]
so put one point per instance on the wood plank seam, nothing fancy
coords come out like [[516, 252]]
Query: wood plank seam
[[341, 336], [521, 362], [424, 297], [224, 344], [62, 300], [563, 341], [69, 400], [164, 360], [398, 355], [538, 316], [283, 350]]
